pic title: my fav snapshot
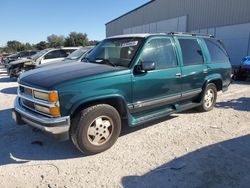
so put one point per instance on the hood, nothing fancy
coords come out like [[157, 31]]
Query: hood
[[19, 61], [55, 63], [50, 76]]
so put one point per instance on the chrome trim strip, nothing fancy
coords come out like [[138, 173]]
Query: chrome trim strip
[[37, 101], [39, 118], [191, 93], [130, 106], [45, 91], [141, 104], [155, 102], [34, 110]]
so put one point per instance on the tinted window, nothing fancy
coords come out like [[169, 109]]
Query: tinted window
[[191, 52], [63, 53], [32, 53], [68, 51], [23, 54], [161, 52], [53, 54], [217, 52]]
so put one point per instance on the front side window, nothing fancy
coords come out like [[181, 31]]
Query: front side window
[[161, 52], [191, 52], [115, 51], [39, 54], [216, 51]]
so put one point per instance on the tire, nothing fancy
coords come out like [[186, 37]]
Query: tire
[[208, 99], [95, 129]]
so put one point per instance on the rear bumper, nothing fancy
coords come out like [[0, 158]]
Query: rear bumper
[[54, 126]]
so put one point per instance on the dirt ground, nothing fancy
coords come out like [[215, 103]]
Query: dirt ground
[[184, 150]]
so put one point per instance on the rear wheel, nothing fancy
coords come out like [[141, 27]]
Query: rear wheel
[[96, 129], [209, 98]]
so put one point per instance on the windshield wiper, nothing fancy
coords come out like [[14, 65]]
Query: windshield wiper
[[106, 61]]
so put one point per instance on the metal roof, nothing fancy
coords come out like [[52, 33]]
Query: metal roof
[[131, 11]]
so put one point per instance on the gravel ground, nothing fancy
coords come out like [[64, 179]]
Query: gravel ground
[[184, 150]]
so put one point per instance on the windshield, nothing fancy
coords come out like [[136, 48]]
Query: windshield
[[78, 53], [115, 51], [39, 54]]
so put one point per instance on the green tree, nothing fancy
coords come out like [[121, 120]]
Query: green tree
[[93, 42], [42, 45], [76, 39], [14, 46], [28, 46], [55, 41]]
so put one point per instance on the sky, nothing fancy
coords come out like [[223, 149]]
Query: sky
[[33, 20]]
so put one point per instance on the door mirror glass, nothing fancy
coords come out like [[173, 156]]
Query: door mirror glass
[[145, 66], [148, 65]]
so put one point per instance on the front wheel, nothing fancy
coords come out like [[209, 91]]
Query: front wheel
[[209, 98], [96, 128]]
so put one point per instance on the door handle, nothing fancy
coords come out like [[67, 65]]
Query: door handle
[[205, 70], [178, 75]]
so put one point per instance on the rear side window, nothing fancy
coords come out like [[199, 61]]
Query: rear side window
[[55, 54], [216, 51], [191, 52], [161, 52]]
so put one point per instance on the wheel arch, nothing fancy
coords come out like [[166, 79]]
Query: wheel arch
[[118, 102], [216, 80]]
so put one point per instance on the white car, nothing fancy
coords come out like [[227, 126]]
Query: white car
[[15, 68], [51, 55]]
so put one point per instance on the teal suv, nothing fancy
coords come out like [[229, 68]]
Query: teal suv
[[124, 80]]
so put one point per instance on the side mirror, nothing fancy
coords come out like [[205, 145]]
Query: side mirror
[[145, 66]]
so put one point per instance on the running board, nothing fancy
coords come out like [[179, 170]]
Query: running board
[[187, 106], [145, 117]]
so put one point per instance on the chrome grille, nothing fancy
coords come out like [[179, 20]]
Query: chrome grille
[[28, 104], [26, 90]]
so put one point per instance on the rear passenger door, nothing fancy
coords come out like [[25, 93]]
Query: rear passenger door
[[194, 69], [55, 55]]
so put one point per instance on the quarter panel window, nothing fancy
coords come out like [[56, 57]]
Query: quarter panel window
[[191, 52], [216, 51], [161, 52]]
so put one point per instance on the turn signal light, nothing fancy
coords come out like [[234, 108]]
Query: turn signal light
[[53, 97]]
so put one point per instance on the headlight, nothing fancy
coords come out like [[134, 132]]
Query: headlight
[[50, 97], [42, 109], [53, 111]]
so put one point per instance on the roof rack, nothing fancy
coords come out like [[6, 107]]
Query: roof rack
[[190, 34]]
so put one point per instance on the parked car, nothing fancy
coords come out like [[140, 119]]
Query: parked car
[[4, 57], [77, 55], [15, 68], [242, 72], [18, 55], [125, 80], [1, 57]]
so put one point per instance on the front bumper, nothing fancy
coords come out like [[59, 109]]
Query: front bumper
[[59, 125]]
